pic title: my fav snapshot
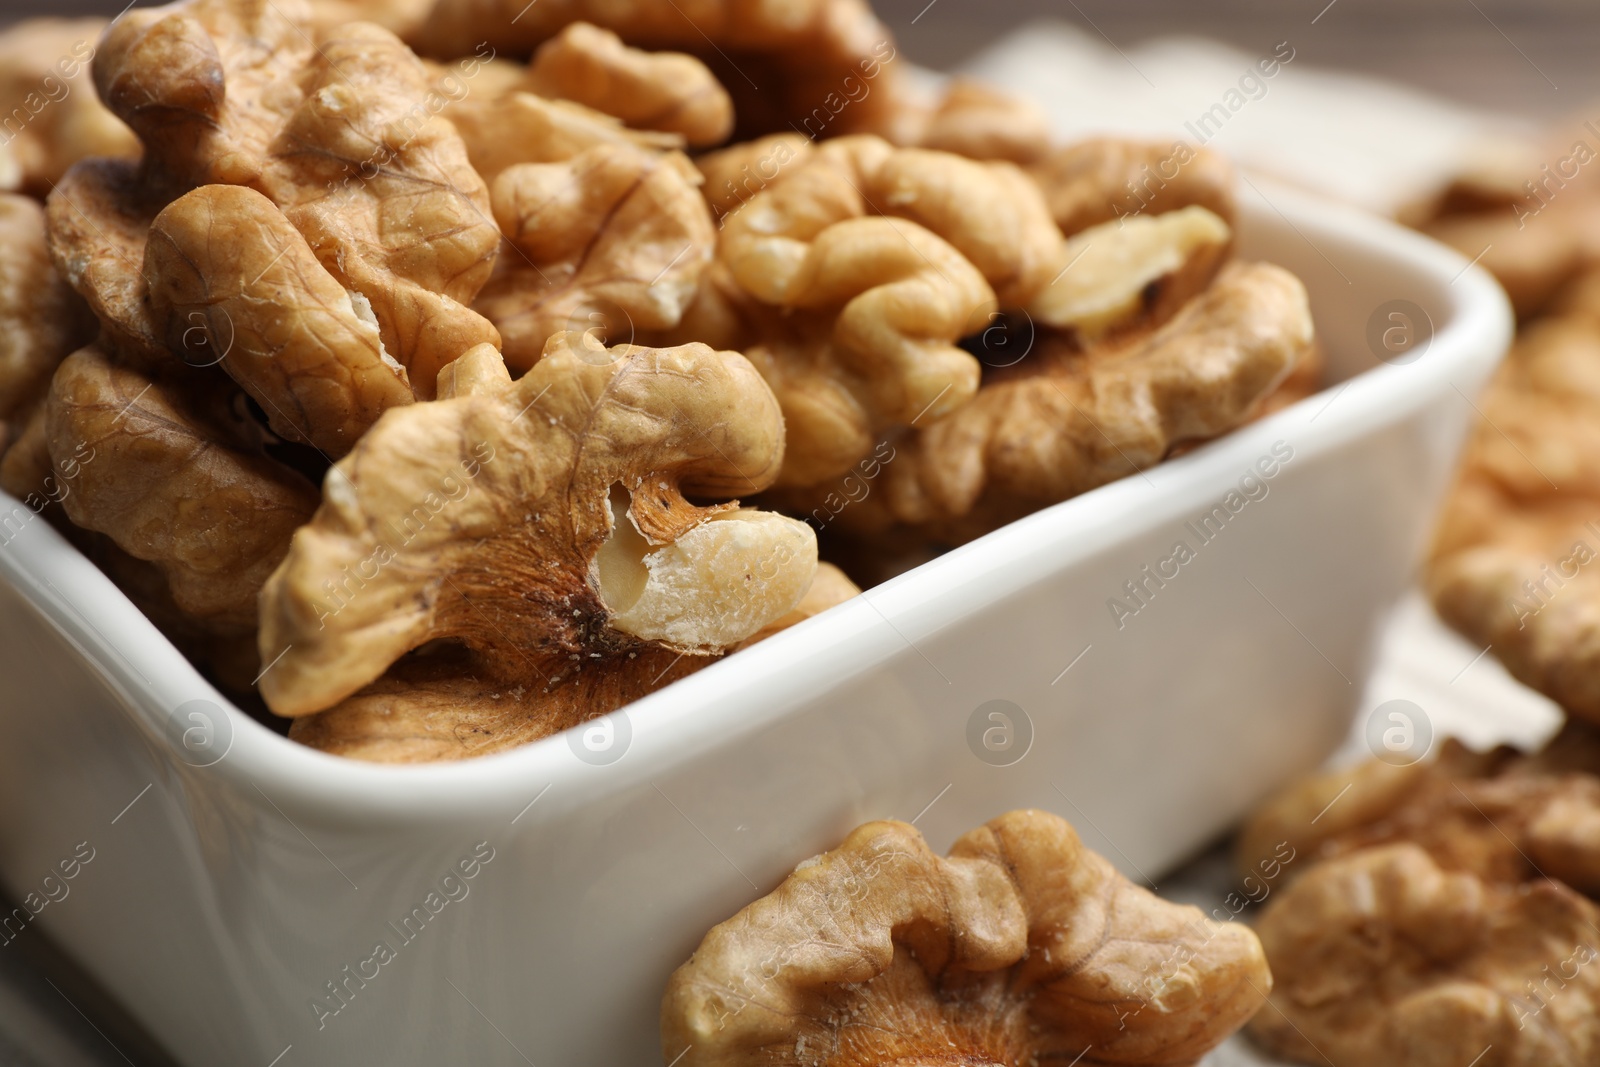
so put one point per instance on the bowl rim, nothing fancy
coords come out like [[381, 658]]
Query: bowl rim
[[750, 691]]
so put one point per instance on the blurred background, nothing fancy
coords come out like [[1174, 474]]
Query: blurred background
[[1532, 57]]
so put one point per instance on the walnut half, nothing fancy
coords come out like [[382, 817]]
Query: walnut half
[[1021, 947]]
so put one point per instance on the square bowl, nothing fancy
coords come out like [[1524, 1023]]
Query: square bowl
[[248, 898]]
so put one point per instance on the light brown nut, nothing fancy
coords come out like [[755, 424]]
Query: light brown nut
[[829, 588], [907, 250], [155, 465], [41, 319], [97, 220], [817, 64], [976, 120], [542, 526], [613, 238], [1531, 259], [1021, 947], [1098, 180], [1384, 957], [338, 133], [400, 17], [1502, 817], [667, 91], [1118, 274], [738, 172], [1513, 563], [49, 114], [519, 127], [232, 282], [1081, 419]]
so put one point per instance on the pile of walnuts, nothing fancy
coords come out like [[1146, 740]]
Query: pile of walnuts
[[413, 393], [1448, 911]]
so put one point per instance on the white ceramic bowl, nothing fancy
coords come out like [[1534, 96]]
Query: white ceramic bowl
[[224, 902]]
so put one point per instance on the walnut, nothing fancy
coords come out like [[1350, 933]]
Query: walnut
[[973, 119], [829, 588], [41, 318], [1117, 273], [1021, 947], [514, 127], [1386, 956], [1069, 419], [1513, 560], [821, 66], [667, 91], [1530, 256], [229, 276], [1503, 817], [54, 118], [1098, 180], [895, 254], [738, 172], [400, 17], [159, 467], [336, 133], [537, 530], [614, 238]]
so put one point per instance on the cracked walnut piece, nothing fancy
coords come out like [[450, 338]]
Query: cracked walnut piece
[[823, 64], [157, 466], [1513, 563], [335, 132], [667, 91], [41, 318], [613, 238], [1072, 420], [1386, 958], [1021, 947], [53, 118], [538, 527], [1090, 182]]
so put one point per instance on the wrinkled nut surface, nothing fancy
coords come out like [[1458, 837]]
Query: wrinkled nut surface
[[1021, 947], [156, 466], [819, 64], [41, 319], [668, 91], [336, 132], [1501, 816], [613, 238], [976, 120], [1080, 419], [1513, 558], [1095, 181], [905, 251], [231, 281], [486, 519], [52, 117], [1108, 271], [1387, 958]]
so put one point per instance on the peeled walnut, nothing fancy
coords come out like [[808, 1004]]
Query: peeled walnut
[[231, 281], [160, 468], [738, 172], [1503, 817], [41, 319], [829, 588], [1102, 179], [976, 120], [894, 254], [336, 133], [1386, 957], [1021, 947], [1068, 420], [534, 535], [1513, 560], [816, 65], [1116, 273], [667, 91], [614, 238], [52, 117]]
